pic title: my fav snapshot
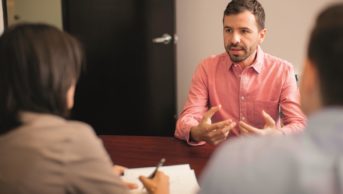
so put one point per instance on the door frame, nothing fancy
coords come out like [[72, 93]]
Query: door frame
[[4, 12]]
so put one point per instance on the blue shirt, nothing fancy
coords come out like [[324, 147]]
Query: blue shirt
[[310, 162]]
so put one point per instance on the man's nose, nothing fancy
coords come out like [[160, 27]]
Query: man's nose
[[236, 38]]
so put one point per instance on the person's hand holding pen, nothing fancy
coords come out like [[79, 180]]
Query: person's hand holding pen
[[157, 182]]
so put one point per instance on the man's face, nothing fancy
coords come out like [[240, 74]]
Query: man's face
[[241, 35]]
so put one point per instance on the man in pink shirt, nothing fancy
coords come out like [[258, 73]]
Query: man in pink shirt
[[243, 90]]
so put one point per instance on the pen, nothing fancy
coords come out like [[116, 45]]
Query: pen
[[156, 169]]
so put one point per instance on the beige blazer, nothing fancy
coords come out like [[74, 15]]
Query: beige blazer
[[51, 155]]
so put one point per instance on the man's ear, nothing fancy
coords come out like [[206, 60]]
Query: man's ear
[[310, 77], [310, 88], [262, 34]]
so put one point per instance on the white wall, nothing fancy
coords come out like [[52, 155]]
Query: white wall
[[199, 29], [46, 11], [289, 23]]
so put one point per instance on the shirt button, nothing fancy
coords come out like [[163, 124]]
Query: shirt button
[[242, 97], [243, 118]]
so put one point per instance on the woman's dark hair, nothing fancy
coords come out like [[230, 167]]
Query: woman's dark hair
[[38, 64], [239, 6], [325, 50]]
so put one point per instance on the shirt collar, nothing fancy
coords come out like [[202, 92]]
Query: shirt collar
[[258, 63]]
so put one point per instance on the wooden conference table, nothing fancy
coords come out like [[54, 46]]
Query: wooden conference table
[[144, 151]]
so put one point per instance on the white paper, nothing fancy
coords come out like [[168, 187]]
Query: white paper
[[182, 178]]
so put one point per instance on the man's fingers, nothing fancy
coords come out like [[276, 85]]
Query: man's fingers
[[270, 123], [217, 138], [246, 127], [209, 114], [232, 125], [228, 128], [219, 135], [205, 132], [220, 125], [244, 130]]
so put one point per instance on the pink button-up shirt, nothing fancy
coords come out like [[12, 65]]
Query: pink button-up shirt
[[269, 84]]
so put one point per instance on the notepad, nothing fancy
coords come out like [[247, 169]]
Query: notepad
[[182, 178]]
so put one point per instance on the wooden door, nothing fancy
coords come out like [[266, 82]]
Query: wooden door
[[129, 83]]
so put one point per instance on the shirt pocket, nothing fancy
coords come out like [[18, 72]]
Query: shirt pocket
[[270, 107]]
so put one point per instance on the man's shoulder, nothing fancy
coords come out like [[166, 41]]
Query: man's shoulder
[[254, 161], [213, 62], [215, 59], [270, 59]]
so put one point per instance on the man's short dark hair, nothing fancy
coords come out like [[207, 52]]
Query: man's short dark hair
[[239, 6], [38, 65], [325, 50]]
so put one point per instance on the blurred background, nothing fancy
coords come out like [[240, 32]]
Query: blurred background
[[141, 54]]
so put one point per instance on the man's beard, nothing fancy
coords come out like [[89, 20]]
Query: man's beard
[[237, 58]]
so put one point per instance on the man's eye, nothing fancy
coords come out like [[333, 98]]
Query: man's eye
[[245, 31], [228, 30]]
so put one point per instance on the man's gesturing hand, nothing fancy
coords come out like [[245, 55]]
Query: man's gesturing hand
[[269, 127], [212, 133]]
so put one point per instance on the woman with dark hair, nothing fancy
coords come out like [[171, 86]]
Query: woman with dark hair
[[41, 151]]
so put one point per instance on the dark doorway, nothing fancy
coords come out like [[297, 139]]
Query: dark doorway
[[129, 83]]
